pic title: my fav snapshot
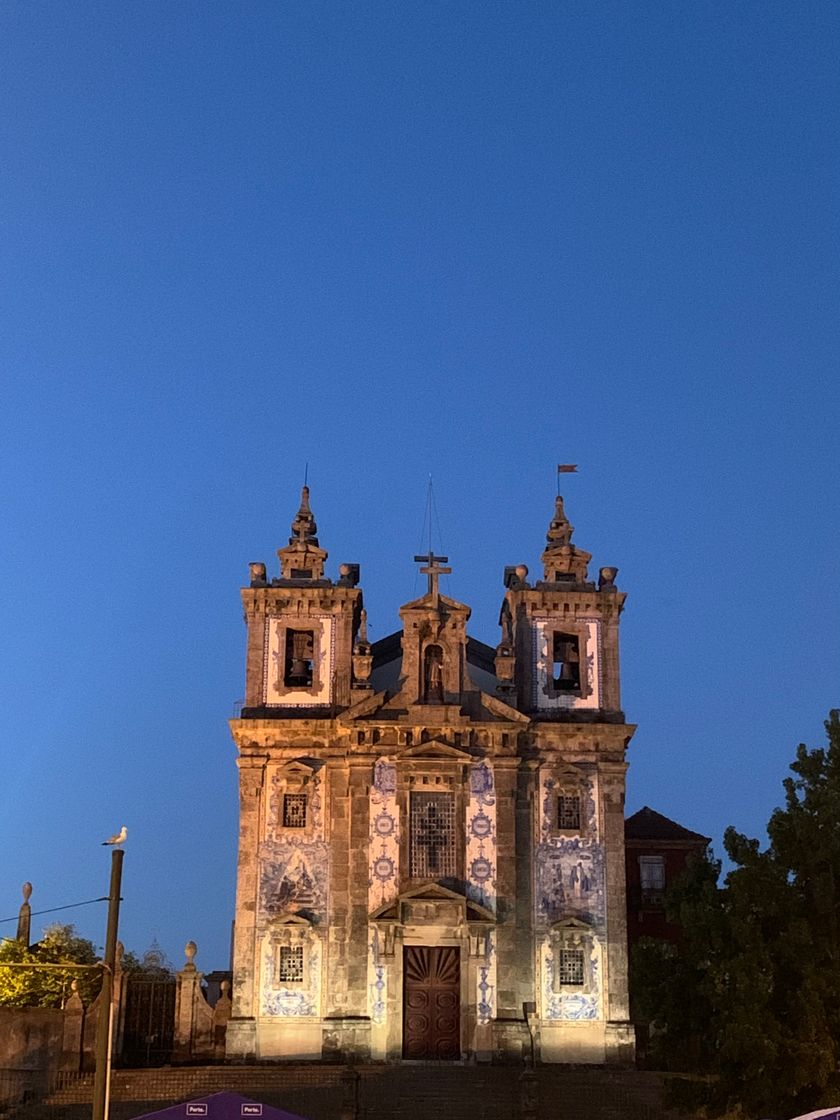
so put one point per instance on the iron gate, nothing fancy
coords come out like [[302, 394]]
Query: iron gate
[[149, 1025]]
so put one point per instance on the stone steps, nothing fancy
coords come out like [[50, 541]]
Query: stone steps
[[383, 1092]]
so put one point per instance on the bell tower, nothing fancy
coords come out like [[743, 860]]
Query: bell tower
[[559, 657], [564, 632], [301, 627]]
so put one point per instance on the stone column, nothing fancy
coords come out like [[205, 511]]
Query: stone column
[[221, 1016], [189, 988], [71, 1043]]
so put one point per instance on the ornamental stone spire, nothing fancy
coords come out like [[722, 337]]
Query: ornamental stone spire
[[304, 527], [563, 561], [302, 559]]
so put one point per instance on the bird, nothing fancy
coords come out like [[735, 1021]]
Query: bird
[[118, 839]]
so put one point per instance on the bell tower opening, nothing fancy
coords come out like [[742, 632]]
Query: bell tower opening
[[299, 661], [566, 659]]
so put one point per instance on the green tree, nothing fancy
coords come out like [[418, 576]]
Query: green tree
[[752, 994], [43, 987]]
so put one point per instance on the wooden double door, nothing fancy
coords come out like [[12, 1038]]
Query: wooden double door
[[432, 1002]]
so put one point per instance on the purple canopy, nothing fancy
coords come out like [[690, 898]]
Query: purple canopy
[[220, 1106]]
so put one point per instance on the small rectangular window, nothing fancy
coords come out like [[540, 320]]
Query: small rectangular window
[[294, 810], [570, 965], [290, 970], [566, 657], [300, 658], [652, 875], [568, 811]]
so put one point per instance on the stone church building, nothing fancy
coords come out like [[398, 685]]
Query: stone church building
[[431, 847]]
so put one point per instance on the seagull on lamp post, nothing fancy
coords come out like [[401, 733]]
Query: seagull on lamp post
[[118, 839]]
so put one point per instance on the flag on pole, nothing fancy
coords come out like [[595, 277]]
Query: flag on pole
[[567, 468]]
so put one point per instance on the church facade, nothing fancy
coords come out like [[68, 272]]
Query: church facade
[[431, 846]]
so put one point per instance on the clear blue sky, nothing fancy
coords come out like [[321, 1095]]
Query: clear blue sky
[[473, 239]]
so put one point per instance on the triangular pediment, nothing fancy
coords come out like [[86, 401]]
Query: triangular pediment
[[284, 921], [434, 750], [429, 603], [571, 925], [431, 892], [297, 768]]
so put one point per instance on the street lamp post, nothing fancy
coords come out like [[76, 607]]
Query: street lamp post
[[101, 1078]]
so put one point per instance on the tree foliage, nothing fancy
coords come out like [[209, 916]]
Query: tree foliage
[[751, 996], [42, 987]]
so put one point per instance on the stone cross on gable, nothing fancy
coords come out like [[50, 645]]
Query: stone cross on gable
[[433, 570]]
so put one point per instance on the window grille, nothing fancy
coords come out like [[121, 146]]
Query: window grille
[[432, 844], [294, 810], [568, 810], [291, 964], [570, 966]]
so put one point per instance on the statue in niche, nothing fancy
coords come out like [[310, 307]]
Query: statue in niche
[[433, 675]]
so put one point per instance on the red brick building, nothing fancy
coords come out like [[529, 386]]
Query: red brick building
[[656, 852]]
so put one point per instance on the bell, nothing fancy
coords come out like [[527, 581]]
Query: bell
[[568, 676], [299, 672]]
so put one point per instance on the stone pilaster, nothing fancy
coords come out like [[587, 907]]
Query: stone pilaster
[[612, 809], [335, 976], [508, 965], [241, 1035]]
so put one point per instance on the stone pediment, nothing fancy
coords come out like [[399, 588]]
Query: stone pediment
[[298, 768], [570, 925], [432, 903], [290, 921], [435, 750], [428, 602]]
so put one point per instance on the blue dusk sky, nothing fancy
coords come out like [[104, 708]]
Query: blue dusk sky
[[389, 240]]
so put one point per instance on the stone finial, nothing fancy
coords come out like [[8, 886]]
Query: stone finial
[[606, 581], [560, 530], [362, 627], [302, 559], [73, 1003], [561, 558], [256, 574], [24, 926], [348, 575], [190, 950], [304, 527], [224, 988]]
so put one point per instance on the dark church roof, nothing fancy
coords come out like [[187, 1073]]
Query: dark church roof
[[647, 824]]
